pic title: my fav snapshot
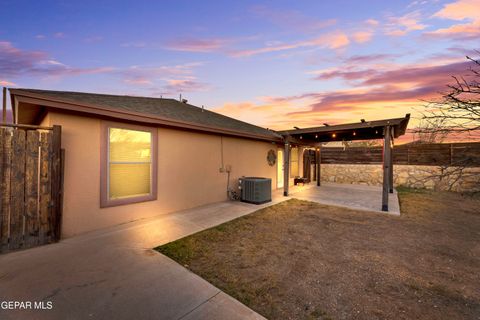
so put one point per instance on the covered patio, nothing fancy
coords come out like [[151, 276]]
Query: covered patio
[[350, 196], [387, 130]]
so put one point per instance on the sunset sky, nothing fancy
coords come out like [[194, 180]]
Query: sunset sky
[[277, 64]]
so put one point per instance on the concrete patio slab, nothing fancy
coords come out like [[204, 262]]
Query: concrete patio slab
[[358, 197]]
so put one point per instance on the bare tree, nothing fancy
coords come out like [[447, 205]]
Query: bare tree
[[458, 110], [455, 115], [430, 131]]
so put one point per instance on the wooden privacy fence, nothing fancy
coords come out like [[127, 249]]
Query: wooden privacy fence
[[434, 154], [31, 176]]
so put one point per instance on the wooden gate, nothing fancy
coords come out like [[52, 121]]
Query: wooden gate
[[31, 176]]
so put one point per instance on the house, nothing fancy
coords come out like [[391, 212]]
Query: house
[[130, 157]]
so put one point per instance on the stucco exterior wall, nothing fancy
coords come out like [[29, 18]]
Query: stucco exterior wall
[[188, 172], [412, 176]]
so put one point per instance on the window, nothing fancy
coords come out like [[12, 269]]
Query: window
[[294, 162], [128, 164]]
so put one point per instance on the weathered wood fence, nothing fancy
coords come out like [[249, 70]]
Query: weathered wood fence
[[435, 154], [31, 176]]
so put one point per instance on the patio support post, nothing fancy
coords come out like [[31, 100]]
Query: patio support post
[[317, 163], [286, 168], [390, 180], [387, 154]]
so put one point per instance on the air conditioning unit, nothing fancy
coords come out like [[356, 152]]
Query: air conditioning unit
[[255, 189]]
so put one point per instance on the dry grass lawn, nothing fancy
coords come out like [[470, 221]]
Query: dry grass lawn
[[302, 260]]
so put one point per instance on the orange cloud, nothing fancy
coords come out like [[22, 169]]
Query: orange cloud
[[372, 22], [362, 36], [5, 83], [459, 10], [458, 31], [332, 40], [399, 26]]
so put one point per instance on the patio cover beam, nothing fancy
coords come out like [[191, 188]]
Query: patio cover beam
[[390, 180], [387, 155], [317, 163], [347, 132], [286, 167]]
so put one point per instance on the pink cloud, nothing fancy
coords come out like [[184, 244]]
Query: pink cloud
[[351, 100], [371, 58], [164, 80], [139, 81], [176, 86], [399, 26], [362, 36], [5, 83], [400, 74], [372, 22], [332, 40], [402, 87], [346, 74], [15, 62], [437, 74], [197, 45], [459, 31], [460, 10]]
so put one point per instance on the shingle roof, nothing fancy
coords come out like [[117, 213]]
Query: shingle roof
[[165, 108]]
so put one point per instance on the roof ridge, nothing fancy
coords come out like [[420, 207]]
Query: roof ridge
[[94, 93]]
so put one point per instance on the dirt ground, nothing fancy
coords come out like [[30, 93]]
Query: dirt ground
[[302, 260]]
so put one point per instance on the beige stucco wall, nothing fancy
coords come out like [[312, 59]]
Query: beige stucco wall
[[428, 177], [188, 172]]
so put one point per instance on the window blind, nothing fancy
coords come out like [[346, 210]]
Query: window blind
[[129, 163]]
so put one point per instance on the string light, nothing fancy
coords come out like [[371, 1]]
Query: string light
[[334, 135]]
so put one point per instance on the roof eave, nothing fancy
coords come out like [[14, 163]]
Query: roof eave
[[401, 123]]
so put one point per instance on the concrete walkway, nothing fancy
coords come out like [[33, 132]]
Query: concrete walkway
[[114, 273]]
